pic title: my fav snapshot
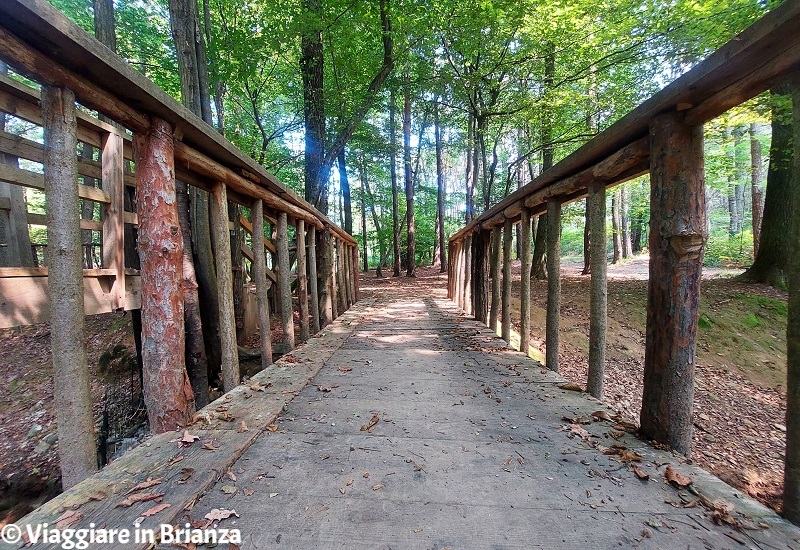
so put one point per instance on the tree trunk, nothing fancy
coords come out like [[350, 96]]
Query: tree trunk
[[540, 242], [440, 194], [364, 224], [312, 65], [791, 492], [376, 221], [553, 319], [260, 276], [104, 24], [410, 237], [73, 399], [740, 174], [284, 286], [344, 182], [395, 198], [469, 212], [598, 318], [587, 242], [627, 252], [773, 248], [677, 240], [616, 224], [757, 193]]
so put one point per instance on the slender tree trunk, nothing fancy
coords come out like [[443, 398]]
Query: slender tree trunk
[[364, 246], [410, 237], [740, 175], [538, 268], [757, 193], [773, 248], [440, 195], [312, 64], [469, 213], [627, 252], [395, 192], [587, 242], [344, 182], [616, 224]]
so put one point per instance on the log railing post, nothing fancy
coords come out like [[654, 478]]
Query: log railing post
[[325, 269], [341, 273], [114, 222], [334, 279], [596, 203], [480, 276], [220, 234], [302, 280], [450, 274], [467, 275], [260, 275], [356, 280], [167, 391], [677, 240], [525, 282], [284, 286], [313, 291], [506, 297], [73, 399], [553, 283], [459, 275], [494, 312]]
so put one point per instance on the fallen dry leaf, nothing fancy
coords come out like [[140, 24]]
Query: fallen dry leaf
[[641, 474], [676, 478], [175, 459], [140, 497], [345, 369], [230, 475], [628, 456], [579, 431], [68, 519], [570, 387], [218, 514], [248, 491], [209, 446], [186, 473], [343, 490], [156, 509], [377, 487], [256, 386], [272, 428], [372, 422], [602, 415], [150, 482], [229, 489], [187, 439], [242, 427], [365, 475]]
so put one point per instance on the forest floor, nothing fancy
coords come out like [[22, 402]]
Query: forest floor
[[740, 398]]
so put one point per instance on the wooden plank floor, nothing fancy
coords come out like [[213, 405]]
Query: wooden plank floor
[[469, 451]]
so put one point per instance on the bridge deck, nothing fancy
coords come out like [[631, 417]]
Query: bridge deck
[[469, 451]]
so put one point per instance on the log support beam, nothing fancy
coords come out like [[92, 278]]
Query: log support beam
[[525, 283], [260, 275], [467, 282], [480, 275], [313, 292], [596, 203], [302, 280], [113, 182], [73, 399], [494, 264], [677, 242], [508, 233], [324, 261], [553, 283], [220, 235], [284, 286]]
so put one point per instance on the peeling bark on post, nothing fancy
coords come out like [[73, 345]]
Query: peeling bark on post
[[284, 286], [260, 275], [227, 316], [468, 275], [325, 269], [167, 392], [480, 275], [508, 234], [791, 490], [677, 240], [73, 399], [525, 283], [313, 292], [302, 280], [596, 204], [553, 283], [494, 311]]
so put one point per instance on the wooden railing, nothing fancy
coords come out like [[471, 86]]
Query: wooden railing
[[662, 137], [147, 142]]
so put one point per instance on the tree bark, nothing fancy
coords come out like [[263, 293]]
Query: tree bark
[[344, 182], [480, 275], [73, 399], [260, 276], [627, 251], [313, 287], [468, 275], [553, 284], [757, 193], [440, 194], [791, 491], [409, 183], [596, 206], [302, 279], [324, 261], [616, 224], [773, 249], [677, 240], [393, 170]]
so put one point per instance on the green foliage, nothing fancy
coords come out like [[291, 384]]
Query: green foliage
[[723, 250]]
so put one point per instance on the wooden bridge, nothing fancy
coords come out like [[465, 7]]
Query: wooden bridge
[[421, 428]]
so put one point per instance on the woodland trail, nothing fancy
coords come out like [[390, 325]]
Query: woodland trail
[[424, 430]]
